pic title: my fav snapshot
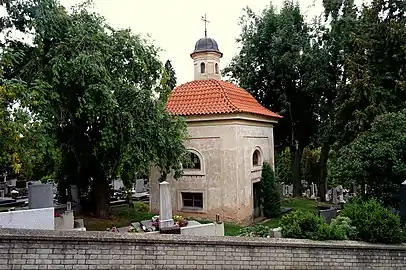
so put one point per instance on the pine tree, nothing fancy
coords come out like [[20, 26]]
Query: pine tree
[[271, 200], [171, 74]]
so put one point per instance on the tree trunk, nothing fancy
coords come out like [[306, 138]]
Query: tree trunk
[[322, 185], [100, 197], [296, 153]]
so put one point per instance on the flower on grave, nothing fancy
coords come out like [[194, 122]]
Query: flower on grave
[[155, 222], [57, 215], [180, 221]]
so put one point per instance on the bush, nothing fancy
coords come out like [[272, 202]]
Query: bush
[[255, 231], [305, 224], [141, 207], [300, 224], [374, 223], [271, 200]]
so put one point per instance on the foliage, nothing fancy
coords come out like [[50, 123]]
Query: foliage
[[271, 200], [97, 90], [276, 65], [171, 74], [301, 224], [283, 166], [255, 231], [374, 223], [307, 225], [310, 165], [377, 158], [141, 207]]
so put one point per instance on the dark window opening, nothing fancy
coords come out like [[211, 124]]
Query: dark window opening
[[194, 162], [256, 158], [202, 68], [194, 200], [217, 68]]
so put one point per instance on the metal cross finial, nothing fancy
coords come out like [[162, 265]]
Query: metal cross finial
[[204, 18]]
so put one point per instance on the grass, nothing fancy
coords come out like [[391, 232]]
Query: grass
[[123, 216], [295, 204]]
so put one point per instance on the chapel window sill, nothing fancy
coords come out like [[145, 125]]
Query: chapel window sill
[[256, 169], [193, 173], [192, 210]]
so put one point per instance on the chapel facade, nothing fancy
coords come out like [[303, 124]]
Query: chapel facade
[[230, 136]]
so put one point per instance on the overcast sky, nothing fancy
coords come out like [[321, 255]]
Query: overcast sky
[[176, 25]]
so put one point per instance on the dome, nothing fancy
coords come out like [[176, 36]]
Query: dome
[[206, 45]]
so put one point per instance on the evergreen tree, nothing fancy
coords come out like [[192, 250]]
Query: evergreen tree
[[171, 75], [271, 200]]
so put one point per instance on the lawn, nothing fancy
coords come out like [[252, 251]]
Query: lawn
[[123, 216]]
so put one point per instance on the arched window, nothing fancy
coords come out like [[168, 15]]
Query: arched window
[[194, 162], [202, 67], [216, 66], [256, 158]]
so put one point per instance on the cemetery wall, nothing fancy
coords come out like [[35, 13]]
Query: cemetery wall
[[34, 249]]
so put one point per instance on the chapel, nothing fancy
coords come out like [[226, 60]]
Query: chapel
[[230, 136]]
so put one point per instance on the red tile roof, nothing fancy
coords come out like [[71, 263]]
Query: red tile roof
[[213, 97]]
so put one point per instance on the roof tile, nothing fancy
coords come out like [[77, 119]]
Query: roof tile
[[202, 97]]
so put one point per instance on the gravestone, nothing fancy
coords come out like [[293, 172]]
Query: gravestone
[[334, 196], [75, 194], [328, 214], [165, 206], [353, 188], [312, 191], [2, 193], [139, 186], [40, 196], [402, 205]]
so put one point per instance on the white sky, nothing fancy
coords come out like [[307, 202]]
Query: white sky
[[175, 25]]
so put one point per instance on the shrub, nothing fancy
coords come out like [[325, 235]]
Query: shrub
[[374, 223], [271, 200], [141, 207], [300, 224], [305, 224], [255, 231]]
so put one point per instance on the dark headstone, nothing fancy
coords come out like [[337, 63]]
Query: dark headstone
[[328, 214], [402, 207], [170, 230]]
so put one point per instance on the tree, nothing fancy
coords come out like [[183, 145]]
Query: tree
[[377, 157], [275, 64], [271, 200], [97, 91], [331, 48], [376, 69], [283, 166], [171, 74]]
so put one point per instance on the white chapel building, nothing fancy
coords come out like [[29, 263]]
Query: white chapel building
[[230, 136]]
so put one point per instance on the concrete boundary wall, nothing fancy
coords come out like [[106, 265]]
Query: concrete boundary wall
[[35, 249]]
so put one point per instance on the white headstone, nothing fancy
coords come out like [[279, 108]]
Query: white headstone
[[139, 186], [312, 191], [165, 206]]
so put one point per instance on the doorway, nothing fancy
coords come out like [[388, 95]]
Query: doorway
[[256, 188]]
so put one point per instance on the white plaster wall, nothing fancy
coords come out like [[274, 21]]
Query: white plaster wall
[[210, 59], [250, 138], [41, 219], [226, 181]]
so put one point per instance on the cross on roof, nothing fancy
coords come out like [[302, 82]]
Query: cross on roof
[[204, 18]]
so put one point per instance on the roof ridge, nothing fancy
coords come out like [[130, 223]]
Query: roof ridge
[[225, 95]]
